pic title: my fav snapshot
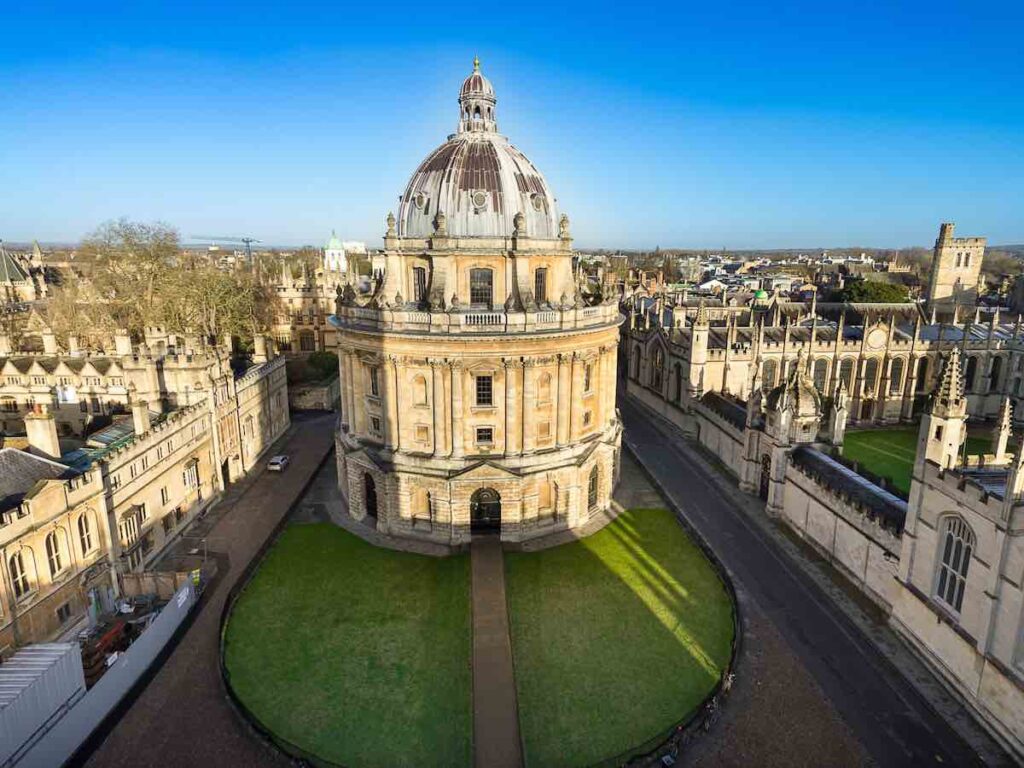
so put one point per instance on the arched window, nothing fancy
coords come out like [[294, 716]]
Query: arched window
[[19, 576], [85, 533], [922, 376], [657, 379], [971, 374], [956, 545], [820, 373], [997, 372], [53, 553], [419, 390], [846, 373], [544, 388], [588, 377], [870, 376], [896, 376], [369, 495], [791, 368], [636, 363], [481, 286], [677, 371], [592, 489], [768, 374]]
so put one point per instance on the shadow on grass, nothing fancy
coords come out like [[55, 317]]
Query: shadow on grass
[[355, 654], [615, 638]]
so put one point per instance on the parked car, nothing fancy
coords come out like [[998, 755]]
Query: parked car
[[278, 463]]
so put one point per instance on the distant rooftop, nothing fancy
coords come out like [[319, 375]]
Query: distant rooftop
[[20, 471]]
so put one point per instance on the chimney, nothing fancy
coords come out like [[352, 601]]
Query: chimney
[[259, 349], [49, 342], [73, 345], [42, 433], [122, 342], [140, 417]]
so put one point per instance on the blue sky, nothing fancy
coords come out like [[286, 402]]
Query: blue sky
[[714, 125]]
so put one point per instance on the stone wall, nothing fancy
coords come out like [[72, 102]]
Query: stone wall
[[863, 549]]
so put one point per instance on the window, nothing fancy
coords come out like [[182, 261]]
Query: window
[[540, 284], [588, 417], [896, 376], [658, 369], [588, 380], [164, 495], [820, 373], [970, 373], [19, 576], [179, 514], [677, 374], [38, 380], [768, 374], [484, 390], [190, 477], [64, 613], [592, 490], [846, 373], [375, 381], [921, 384], [994, 379], [485, 435], [9, 404], [85, 533], [419, 284], [419, 390], [375, 425], [957, 543], [544, 388], [168, 522], [870, 376], [635, 367], [481, 286], [307, 340], [53, 553]]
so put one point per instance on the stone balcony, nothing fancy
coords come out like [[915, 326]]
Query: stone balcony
[[402, 320]]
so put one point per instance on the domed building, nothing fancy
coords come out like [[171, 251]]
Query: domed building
[[478, 375]]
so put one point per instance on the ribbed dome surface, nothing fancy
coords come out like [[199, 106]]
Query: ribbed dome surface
[[477, 179], [480, 182]]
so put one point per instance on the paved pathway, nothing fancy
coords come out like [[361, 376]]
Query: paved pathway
[[890, 719], [182, 717], [496, 741]]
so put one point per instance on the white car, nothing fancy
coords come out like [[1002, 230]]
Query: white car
[[277, 464]]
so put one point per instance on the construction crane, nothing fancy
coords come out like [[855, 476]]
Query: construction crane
[[248, 241]]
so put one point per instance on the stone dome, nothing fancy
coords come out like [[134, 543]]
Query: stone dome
[[477, 180]]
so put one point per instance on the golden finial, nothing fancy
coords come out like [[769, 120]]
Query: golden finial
[[476, 63]]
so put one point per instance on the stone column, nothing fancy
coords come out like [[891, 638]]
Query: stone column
[[391, 390], [608, 384], [576, 397], [458, 416], [564, 384], [437, 407], [528, 435], [358, 398], [511, 391]]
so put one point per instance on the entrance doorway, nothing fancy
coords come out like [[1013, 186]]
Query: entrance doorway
[[370, 494], [485, 511], [766, 473]]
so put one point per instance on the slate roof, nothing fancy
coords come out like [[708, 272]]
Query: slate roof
[[890, 510], [20, 471], [10, 270], [729, 409]]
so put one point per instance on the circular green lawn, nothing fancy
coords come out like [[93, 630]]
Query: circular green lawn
[[615, 637], [361, 656]]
